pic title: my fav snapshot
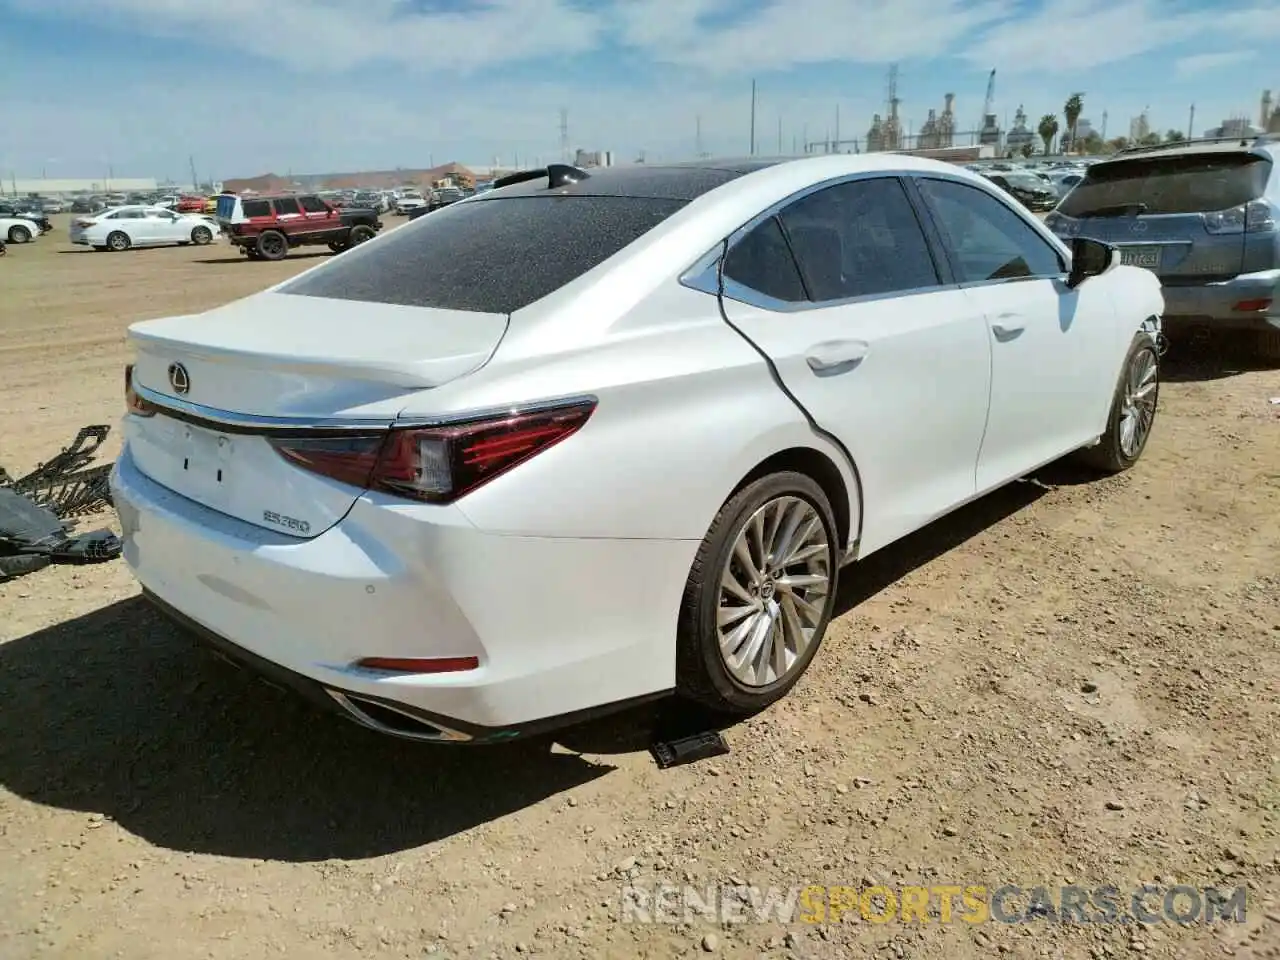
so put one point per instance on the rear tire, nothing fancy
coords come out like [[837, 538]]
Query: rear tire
[[272, 245], [1133, 410], [360, 234], [741, 647], [19, 235], [201, 235], [118, 242]]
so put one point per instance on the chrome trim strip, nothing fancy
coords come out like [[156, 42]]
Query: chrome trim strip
[[229, 421]]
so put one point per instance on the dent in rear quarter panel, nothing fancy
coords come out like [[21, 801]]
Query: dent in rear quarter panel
[[686, 409]]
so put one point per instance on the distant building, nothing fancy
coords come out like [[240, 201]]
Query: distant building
[[1019, 135], [1268, 116], [594, 158], [990, 135], [1234, 127], [423, 179], [875, 136], [927, 138], [1139, 128], [947, 122]]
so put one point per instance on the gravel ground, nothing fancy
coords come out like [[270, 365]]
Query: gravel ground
[[1071, 681]]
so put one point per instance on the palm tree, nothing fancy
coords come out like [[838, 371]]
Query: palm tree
[[1071, 110], [1048, 129]]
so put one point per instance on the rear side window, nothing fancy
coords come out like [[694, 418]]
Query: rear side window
[[762, 261], [286, 205], [859, 239], [256, 208], [1176, 184], [312, 205], [489, 256]]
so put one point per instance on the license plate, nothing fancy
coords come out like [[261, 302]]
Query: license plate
[[1147, 257]]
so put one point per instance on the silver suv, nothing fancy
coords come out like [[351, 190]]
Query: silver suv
[[1204, 216]]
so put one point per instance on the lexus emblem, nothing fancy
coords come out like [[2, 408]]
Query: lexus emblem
[[1139, 226], [179, 379]]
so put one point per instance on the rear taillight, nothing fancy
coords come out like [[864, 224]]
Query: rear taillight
[[134, 403], [437, 464], [1256, 216], [82, 224]]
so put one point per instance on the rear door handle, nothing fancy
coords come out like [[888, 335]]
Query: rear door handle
[[836, 356]]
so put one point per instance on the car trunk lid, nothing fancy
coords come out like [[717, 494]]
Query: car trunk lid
[[227, 381]]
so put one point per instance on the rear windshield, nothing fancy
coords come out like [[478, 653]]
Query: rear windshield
[[487, 256], [1178, 184]]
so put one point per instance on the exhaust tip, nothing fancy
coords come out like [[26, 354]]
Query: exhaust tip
[[387, 719]]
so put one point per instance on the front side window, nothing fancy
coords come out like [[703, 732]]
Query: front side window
[[857, 239], [987, 240], [286, 205]]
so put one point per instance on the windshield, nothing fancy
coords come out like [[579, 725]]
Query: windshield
[[1026, 181], [1176, 184]]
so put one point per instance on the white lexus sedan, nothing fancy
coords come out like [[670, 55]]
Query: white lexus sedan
[[121, 228], [597, 436]]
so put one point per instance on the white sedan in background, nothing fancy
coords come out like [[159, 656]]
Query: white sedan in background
[[594, 436], [120, 228], [18, 230]]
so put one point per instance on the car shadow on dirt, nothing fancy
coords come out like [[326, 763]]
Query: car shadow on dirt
[[120, 713], [239, 258], [1193, 358]]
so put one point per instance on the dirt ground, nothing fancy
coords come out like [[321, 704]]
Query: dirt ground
[[1070, 682]]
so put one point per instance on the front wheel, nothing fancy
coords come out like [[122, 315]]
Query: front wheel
[[759, 596], [201, 235], [1133, 410], [19, 234], [118, 242]]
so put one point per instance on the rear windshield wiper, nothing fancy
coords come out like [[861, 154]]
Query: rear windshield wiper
[[1117, 210]]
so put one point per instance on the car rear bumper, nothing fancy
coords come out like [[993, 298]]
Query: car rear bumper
[[1230, 304], [562, 627]]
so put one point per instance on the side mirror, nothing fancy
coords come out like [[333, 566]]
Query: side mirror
[[1090, 258]]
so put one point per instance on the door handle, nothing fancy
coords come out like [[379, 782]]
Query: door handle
[[836, 356], [1007, 326]]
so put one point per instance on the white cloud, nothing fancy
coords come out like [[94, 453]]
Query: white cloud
[[1207, 62], [786, 33], [335, 36], [1071, 36]]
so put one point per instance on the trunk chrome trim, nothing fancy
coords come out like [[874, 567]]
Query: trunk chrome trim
[[228, 421]]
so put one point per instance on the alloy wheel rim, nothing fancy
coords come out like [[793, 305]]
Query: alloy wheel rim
[[773, 591], [1139, 410], [117, 243], [272, 245]]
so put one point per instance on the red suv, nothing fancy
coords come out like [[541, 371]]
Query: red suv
[[267, 228]]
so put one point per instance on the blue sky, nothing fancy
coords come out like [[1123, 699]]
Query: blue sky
[[250, 86]]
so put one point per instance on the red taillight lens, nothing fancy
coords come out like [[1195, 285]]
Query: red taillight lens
[[85, 223], [134, 403], [420, 664], [437, 464]]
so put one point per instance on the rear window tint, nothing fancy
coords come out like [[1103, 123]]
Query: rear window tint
[[1177, 184], [487, 256], [256, 208]]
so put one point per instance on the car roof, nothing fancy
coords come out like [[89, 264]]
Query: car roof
[[1264, 145], [689, 180]]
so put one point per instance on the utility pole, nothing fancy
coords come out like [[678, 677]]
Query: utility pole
[[195, 181], [564, 135], [697, 142], [753, 118], [837, 128], [1191, 122], [779, 136], [806, 138], [1104, 125]]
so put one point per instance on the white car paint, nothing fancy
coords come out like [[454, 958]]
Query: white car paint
[[145, 226], [409, 200], [12, 228], [564, 576]]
